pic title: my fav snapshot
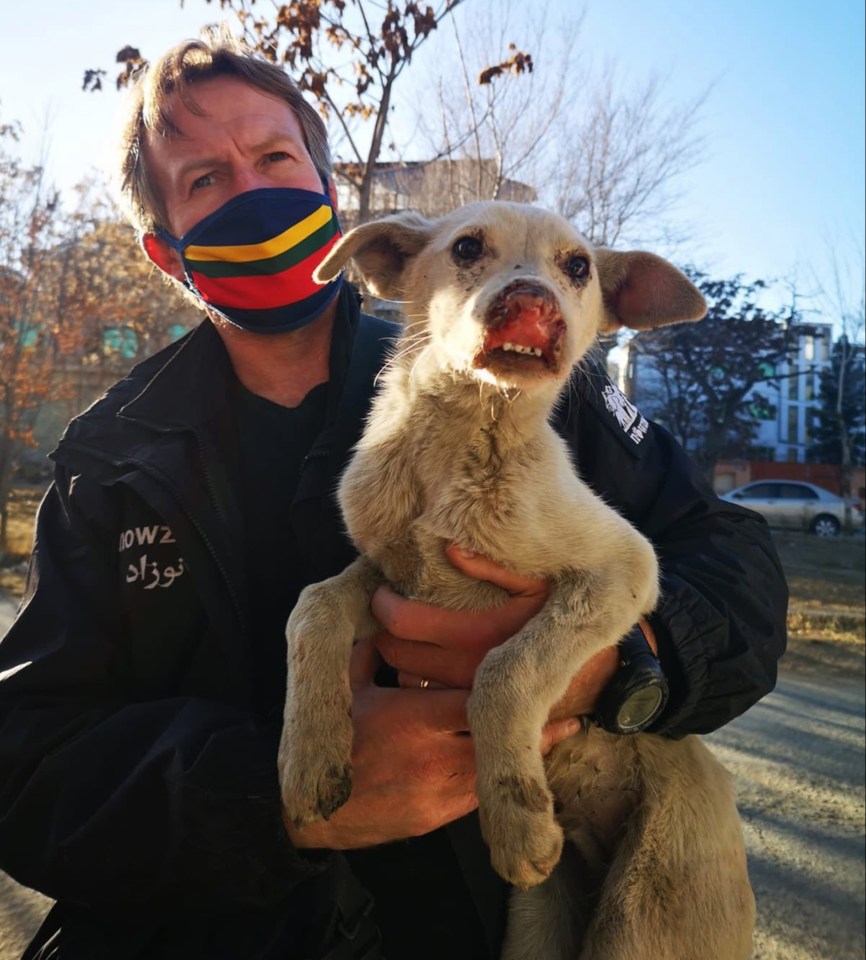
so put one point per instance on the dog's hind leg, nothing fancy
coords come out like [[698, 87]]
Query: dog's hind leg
[[678, 886], [316, 743], [549, 920]]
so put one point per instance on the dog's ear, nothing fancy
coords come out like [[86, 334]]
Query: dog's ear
[[381, 251], [643, 291]]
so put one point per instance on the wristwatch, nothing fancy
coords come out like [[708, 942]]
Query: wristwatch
[[638, 691]]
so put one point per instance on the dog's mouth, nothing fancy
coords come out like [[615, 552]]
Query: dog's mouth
[[524, 333]]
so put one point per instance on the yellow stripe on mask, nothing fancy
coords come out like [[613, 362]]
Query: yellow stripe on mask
[[247, 252]]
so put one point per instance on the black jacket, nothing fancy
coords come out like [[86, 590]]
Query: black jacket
[[137, 772]]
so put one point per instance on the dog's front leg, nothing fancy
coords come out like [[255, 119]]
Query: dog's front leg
[[316, 744], [515, 688]]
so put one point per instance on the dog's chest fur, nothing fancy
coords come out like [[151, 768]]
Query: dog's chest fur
[[456, 464]]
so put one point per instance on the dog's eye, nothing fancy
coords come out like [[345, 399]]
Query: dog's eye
[[467, 249], [576, 267]]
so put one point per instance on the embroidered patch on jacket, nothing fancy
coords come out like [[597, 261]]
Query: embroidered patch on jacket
[[632, 422]]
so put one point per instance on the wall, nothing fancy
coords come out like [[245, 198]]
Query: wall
[[734, 473]]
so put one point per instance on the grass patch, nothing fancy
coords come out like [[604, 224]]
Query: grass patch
[[823, 572], [23, 503]]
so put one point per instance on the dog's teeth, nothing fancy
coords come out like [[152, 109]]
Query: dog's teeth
[[518, 348]]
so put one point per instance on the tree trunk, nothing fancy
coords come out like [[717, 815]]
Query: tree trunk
[[844, 443]]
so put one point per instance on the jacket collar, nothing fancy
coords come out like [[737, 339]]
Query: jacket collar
[[189, 389]]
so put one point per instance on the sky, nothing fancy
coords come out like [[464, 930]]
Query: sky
[[778, 192]]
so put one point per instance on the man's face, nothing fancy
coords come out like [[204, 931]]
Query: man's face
[[245, 140]]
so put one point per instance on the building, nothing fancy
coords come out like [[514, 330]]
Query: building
[[783, 406], [787, 417], [431, 187]]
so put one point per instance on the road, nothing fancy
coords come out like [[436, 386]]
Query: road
[[798, 761]]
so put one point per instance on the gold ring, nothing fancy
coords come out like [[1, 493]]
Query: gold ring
[[424, 683]]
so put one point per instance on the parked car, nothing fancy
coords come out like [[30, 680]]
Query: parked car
[[796, 505]]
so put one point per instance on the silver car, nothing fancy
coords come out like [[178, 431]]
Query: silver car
[[796, 505]]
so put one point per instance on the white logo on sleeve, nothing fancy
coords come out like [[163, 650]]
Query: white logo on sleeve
[[149, 565], [634, 424]]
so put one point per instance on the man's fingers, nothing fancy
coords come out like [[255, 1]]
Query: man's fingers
[[415, 681], [424, 623], [557, 731], [427, 660], [482, 568], [363, 664]]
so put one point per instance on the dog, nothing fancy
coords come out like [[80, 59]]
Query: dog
[[501, 302]]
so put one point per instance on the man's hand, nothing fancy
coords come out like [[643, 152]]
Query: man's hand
[[413, 763], [443, 648]]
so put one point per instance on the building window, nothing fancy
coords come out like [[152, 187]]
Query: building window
[[824, 348], [793, 414], [809, 387], [761, 409], [792, 455]]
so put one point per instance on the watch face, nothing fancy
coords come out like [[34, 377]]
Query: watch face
[[640, 708]]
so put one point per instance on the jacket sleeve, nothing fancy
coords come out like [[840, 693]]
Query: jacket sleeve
[[109, 791], [721, 619]]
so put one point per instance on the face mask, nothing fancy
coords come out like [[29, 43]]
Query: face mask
[[252, 260]]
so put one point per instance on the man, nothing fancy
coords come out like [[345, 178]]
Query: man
[[143, 678]]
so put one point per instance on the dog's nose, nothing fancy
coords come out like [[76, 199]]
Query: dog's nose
[[523, 300]]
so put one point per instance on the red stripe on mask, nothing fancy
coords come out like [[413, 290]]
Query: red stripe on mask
[[264, 292]]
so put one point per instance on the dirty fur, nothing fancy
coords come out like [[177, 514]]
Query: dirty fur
[[458, 448]]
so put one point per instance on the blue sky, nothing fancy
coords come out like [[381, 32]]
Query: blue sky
[[781, 182]]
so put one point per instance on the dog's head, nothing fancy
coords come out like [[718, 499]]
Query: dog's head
[[508, 293]]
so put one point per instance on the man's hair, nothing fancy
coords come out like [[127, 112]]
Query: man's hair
[[216, 54]]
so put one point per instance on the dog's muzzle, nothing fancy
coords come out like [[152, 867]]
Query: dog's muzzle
[[524, 327]]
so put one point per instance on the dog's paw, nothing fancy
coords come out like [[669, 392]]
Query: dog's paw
[[524, 838], [315, 775]]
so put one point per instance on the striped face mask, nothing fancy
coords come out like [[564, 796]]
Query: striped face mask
[[252, 260]]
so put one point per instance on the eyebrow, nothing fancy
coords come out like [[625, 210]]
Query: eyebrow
[[261, 146]]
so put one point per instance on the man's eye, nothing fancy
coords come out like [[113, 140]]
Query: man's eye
[[203, 181], [276, 156]]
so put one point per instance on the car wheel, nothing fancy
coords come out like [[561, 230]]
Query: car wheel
[[825, 526]]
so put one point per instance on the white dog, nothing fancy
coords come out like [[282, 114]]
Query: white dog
[[502, 300]]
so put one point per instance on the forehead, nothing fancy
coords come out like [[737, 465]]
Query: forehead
[[510, 227], [223, 108]]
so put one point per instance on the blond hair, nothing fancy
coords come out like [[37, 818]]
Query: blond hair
[[217, 53]]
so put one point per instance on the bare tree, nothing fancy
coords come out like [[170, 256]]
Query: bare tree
[[843, 299], [620, 160], [493, 126], [608, 158], [30, 338], [698, 380]]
